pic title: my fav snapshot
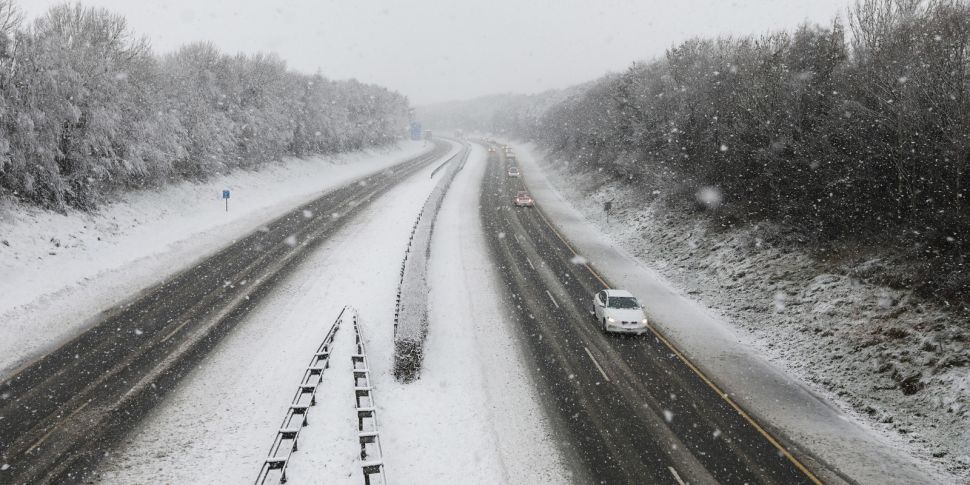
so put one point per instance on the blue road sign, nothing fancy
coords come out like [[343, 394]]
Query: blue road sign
[[225, 194]]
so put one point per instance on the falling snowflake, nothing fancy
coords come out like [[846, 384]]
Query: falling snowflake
[[724, 147], [710, 196], [669, 416], [501, 235], [307, 214], [290, 241], [577, 259]]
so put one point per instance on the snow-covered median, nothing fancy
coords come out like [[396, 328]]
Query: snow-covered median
[[59, 270], [473, 417]]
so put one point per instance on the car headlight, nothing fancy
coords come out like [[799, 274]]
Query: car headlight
[[644, 321], [610, 319]]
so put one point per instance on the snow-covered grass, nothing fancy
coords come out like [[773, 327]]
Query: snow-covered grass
[[60, 270], [471, 418], [889, 361]]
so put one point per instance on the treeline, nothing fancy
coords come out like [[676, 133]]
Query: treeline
[[86, 108], [844, 133], [497, 113]]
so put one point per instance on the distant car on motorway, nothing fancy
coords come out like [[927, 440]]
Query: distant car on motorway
[[619, 311], [523, 199], [492, 155], [514, 172]]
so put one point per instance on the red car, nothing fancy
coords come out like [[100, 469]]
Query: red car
[[523, 199]]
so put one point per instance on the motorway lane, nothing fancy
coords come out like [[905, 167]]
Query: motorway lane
[[630, 409], [59, 414]]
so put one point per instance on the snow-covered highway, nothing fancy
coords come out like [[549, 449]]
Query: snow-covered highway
[[64, 410], [186, 382], [472, 417], [632, 410]]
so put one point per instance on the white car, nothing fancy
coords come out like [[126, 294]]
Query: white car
[[513, 172], [619, 311]]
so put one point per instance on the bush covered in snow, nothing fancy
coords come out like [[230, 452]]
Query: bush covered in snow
[[86, 108]]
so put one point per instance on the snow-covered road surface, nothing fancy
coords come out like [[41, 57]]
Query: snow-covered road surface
[[472, 418], [64, 410]]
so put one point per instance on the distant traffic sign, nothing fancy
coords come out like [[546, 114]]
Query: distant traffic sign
[[225, 195]]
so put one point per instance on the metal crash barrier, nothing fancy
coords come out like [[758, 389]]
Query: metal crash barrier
[[287, 438]]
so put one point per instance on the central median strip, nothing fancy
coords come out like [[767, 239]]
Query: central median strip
[[411, 315]]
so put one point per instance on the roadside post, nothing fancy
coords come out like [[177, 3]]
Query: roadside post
[[225, 195], [607, 207]]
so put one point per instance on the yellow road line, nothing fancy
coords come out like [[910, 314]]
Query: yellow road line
[[771, 439]]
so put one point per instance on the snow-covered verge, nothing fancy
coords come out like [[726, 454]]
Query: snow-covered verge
[[471, 418], [59, 270], [889, 360]]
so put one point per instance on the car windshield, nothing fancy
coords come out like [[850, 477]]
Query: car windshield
[[523, 194], [623, 302]]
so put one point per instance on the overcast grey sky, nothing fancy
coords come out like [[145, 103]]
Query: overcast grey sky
[[439, 50]]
